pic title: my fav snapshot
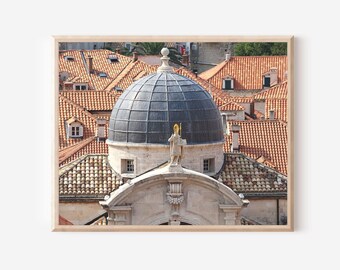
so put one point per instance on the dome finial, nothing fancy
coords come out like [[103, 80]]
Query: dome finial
[[165, 62]]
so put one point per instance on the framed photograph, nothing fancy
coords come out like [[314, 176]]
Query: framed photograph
[[153, 133]]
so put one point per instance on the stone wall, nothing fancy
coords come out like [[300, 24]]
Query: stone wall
[[260, 106], [149, 156], [79, 213], [198, 200], [264, 211]]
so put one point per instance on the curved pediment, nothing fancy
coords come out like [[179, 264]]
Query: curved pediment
[[175, 195]]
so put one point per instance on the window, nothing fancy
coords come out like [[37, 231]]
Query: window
[[266, 81], [208, 165], [127, 166], [69, 58], [118, 89], [102, 75], [75, 131], [113, 58], [130, 166], [80, 87], [228, 84]]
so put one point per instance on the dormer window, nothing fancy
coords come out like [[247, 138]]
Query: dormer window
[[266, 81], [80, 86], [228, 83], [74, 128], [113, 58], [118, 89], [69, 58], [102, 75]]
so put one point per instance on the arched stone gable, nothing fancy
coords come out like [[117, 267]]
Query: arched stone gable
[[173, 195]]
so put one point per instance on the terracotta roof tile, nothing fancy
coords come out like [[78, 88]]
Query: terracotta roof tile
[[279, 91], [275, 99], [67, 152], [91, 177], [132, 72], [92, 100], [247, 71], [68, 109], [245, 175], [231, 106], [78, 67], [280, 108], [94, 147], [267, 138]]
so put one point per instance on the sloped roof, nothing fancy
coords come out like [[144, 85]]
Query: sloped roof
[[134, 71], [247, 71], [275, 99], [231, 106], [92, 100], [279, 91], [68, 109], [90, 178], [267, 138], [280, 108], [92, 147], [245, 175], [78, 67]]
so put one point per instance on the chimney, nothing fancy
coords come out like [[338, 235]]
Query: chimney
[[227, 57], [271, 115], [235, 129], [134, 56], [185, 59], [100, 133], [224, 123], [117, 50], [273, 76], [89, 64]]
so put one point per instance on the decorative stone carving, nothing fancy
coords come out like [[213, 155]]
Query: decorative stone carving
[[175, 197], [165, 67], [176, 146]]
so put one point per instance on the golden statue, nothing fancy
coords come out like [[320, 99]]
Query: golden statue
[[176, 146]]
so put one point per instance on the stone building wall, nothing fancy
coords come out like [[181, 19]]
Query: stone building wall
[[149, 156]]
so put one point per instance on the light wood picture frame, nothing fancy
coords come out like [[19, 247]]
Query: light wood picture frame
[[173, 183]]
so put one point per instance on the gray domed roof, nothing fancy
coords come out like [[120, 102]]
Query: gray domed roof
[[148, 109]]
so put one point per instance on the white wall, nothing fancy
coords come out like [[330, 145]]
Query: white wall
[[26, 238], [147, 157]]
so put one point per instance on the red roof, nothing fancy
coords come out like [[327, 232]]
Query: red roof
[[77, 68], [247, 71], [267, 138]]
